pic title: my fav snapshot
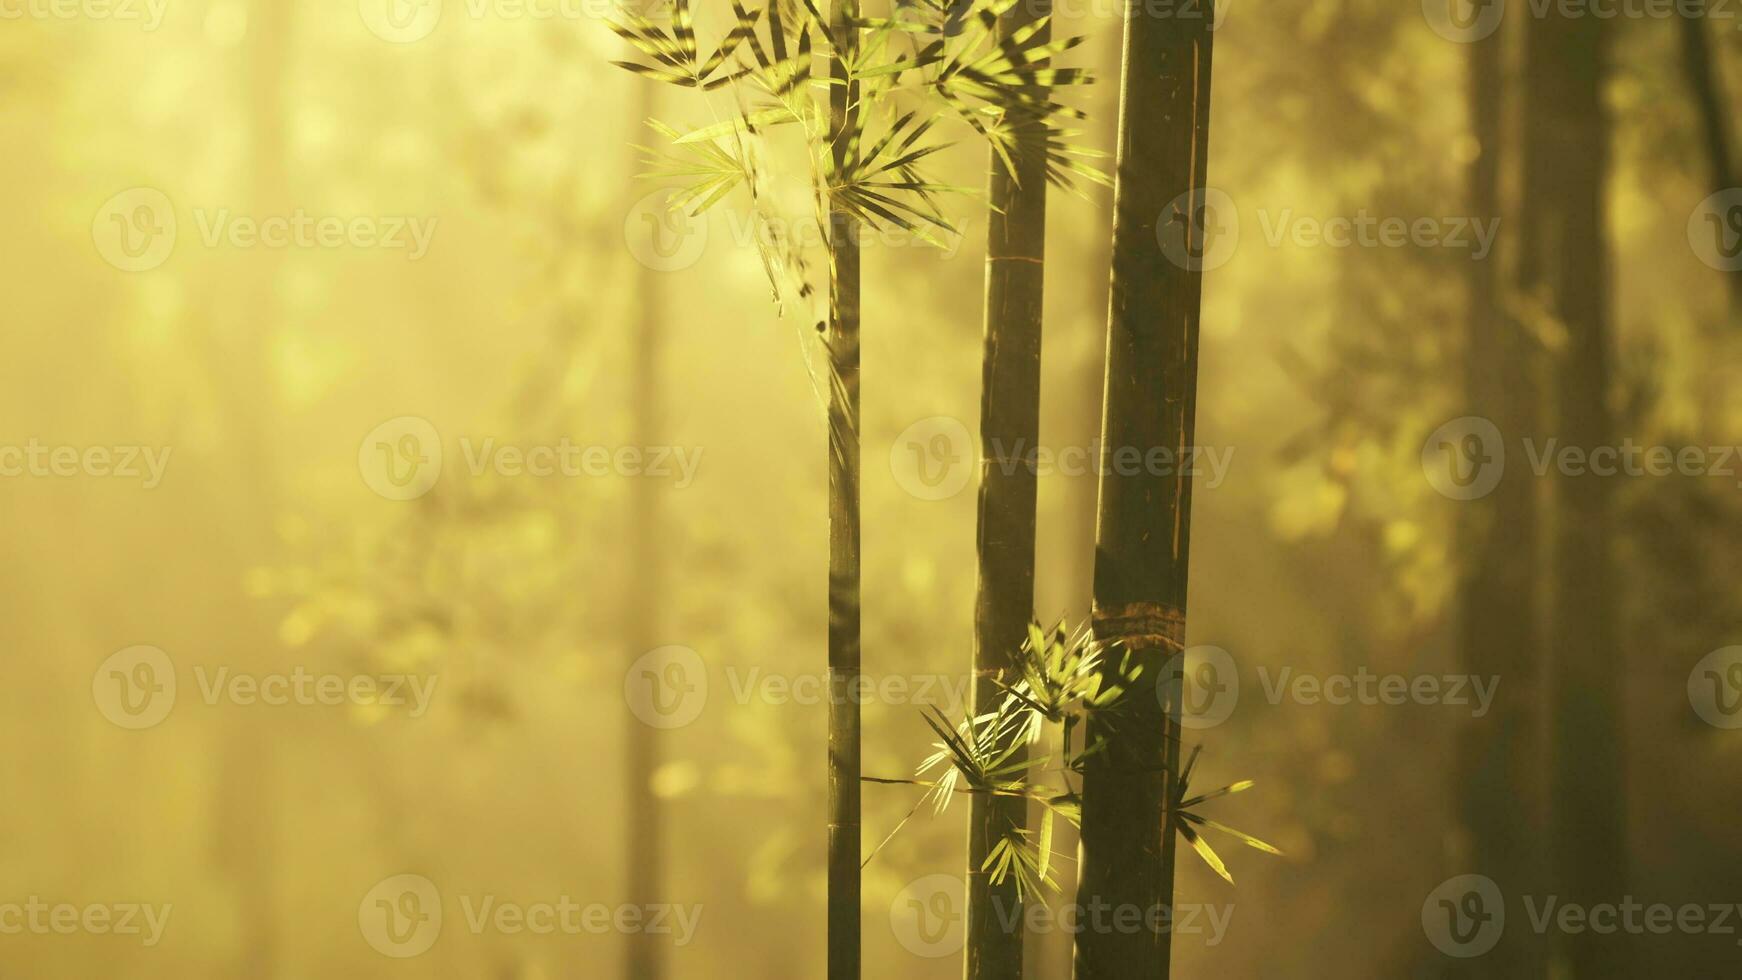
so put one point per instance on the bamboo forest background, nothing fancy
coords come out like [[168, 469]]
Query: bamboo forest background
[[505, 280]]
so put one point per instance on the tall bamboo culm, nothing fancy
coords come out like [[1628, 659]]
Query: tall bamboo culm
[[1567, 269], [645, 959], [1144, 520], [1009, 424], [1497, 587], [843, 349]]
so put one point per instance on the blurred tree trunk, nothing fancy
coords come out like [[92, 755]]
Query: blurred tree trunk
[[1498, 599], [1706, 78], [1009, 434], [1051, 952], [843, 349], [246, 798], [644, 744], [1142, 544], [1566, 167]]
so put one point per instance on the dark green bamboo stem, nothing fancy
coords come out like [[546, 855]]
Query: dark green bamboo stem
[[1565, 175], [1497, 614], [844, 666], [1143, 534], [1707, 83], [1009, 431], [645, 959]]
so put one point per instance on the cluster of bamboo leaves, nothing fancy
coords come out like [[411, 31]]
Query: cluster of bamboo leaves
[[930, 56], [1061, 682]]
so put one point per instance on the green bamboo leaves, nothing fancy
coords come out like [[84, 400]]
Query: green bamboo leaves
[[1062, 682], [884, 187], [938, 56], [676, 55], [1186, 821]]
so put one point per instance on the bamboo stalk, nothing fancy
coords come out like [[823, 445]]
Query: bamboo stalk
[[1144, 525], [645, 958], [1566, 170], [844, 607], [1498, 598], [1009, 433]]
